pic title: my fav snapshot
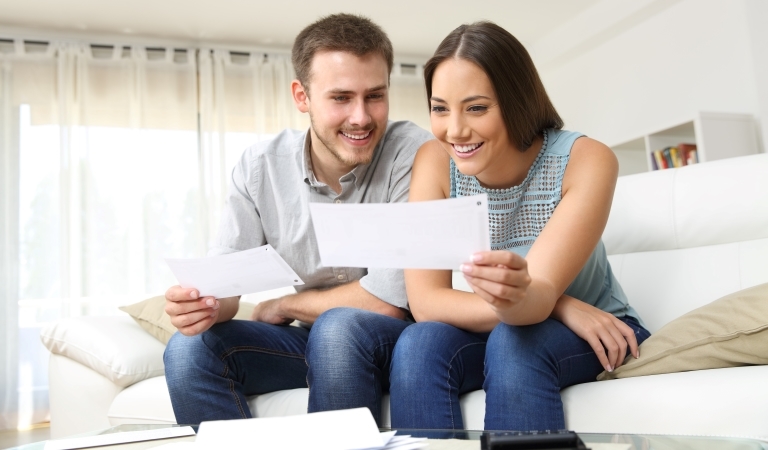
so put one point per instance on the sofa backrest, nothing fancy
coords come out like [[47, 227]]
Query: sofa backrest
[[680, 238]]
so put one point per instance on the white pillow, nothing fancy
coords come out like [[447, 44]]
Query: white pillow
[[114, 346]]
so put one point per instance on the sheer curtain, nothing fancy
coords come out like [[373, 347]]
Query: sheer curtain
[[112, 158]]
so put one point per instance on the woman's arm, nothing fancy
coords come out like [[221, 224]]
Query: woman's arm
[[431, 296], [562, 248]]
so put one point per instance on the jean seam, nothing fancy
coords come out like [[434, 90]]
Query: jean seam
[[448, 380], [234, 350]]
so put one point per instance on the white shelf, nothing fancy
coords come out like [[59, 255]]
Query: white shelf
[[716, 135]]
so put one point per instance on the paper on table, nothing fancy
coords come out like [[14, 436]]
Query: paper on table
[[348, 429], [438, 234], [118, 438], [255, 270]]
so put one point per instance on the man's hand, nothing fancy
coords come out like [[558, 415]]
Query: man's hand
[[189, 313], [602, 330], [269, 311]]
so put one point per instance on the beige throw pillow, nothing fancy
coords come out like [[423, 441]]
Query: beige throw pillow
[[150, 314], [731, 331]]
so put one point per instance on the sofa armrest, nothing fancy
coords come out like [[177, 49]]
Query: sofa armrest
[[113, 346]]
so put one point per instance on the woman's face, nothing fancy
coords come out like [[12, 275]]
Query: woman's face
[[467, 120]]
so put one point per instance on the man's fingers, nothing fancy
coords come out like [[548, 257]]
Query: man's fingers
[[178, 294], [175, 308], [189, 320], [198, 327]]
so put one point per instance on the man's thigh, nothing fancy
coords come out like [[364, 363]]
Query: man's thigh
[[261, 357]]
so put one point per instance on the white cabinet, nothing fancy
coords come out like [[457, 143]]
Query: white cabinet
[[716, 135]]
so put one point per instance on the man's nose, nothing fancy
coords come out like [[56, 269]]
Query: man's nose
[[359, 115]]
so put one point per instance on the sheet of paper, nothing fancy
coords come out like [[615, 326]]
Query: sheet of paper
[[348, 429], [255, 270], [438, 234], [119, 438]]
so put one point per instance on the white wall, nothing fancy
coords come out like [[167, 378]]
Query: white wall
[[625, 68]]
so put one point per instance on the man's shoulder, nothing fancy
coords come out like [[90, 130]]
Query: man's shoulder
[[406, 135]]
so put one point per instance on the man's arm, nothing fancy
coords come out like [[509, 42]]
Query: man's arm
[[308, 305]]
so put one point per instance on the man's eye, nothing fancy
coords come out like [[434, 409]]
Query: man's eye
[[376, 96], [340, 98]]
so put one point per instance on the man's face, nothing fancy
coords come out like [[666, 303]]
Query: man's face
[[348, 105]]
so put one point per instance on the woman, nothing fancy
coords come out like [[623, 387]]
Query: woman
[[546, 311]]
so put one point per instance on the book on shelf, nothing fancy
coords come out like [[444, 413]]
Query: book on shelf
[[674, 156], [688, 153]]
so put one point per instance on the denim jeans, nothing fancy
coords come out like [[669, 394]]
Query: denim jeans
[[344, 360], [521, 369]]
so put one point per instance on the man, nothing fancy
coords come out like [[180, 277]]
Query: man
[[351, 153]]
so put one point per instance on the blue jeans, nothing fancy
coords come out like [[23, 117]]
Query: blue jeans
[[521, 369], [344, 360]]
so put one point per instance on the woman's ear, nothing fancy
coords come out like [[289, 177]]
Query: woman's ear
[[300, 96]]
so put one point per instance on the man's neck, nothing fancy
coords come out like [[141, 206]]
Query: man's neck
[[327, 168]]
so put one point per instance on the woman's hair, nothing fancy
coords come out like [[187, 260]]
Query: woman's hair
[[338, 32], [525, 106]]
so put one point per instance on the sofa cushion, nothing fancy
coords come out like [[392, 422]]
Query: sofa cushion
[[731, 331], [150, 314], [112, 346]]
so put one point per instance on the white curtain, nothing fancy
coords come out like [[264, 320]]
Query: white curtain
[[112, 158]]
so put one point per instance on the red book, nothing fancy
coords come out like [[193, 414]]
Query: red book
[[688, 156]]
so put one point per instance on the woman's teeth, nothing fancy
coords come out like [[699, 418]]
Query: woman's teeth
[[466, 148]]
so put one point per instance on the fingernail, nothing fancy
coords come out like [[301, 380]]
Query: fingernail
[[216, 306], [210, 302], [193, 294], [638, 355], [476, 257], [466, 268], [609, 368]]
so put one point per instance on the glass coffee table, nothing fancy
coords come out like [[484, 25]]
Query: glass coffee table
[[466, 440]]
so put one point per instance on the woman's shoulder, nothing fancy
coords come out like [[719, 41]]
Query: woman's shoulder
[[591, 160]]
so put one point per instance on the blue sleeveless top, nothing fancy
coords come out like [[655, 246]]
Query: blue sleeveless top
[[518, 214]]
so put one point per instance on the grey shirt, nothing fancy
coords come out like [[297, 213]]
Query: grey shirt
[[273, 184]]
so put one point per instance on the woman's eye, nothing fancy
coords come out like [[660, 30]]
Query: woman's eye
[[477, 108], [436, 108]]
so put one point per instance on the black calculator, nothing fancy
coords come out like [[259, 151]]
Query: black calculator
[[531, 440]]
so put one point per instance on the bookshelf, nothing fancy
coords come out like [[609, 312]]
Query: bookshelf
[[716, 136]]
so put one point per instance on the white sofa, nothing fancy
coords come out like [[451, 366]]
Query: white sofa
[[677, 239]]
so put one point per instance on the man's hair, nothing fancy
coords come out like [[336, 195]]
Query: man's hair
[[525, 106], [338, 32]]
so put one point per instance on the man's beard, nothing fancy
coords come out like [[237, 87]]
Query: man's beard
[[330, 145]]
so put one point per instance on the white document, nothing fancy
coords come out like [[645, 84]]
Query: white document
[[255, 270], [439, 234], [119, 438], [348, 429]]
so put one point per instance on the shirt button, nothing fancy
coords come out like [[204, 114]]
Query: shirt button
[[337, 201], [340, 277]]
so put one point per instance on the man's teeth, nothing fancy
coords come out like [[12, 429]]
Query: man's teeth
[[466, 148], [356, 136]]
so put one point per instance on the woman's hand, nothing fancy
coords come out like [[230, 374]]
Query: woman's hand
[[500, 277], [602, 330]]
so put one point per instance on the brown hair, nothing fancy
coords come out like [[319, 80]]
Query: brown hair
[[338, 32], [525, 106]]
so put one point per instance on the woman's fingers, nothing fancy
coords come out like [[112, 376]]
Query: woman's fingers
[[499, 257]]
